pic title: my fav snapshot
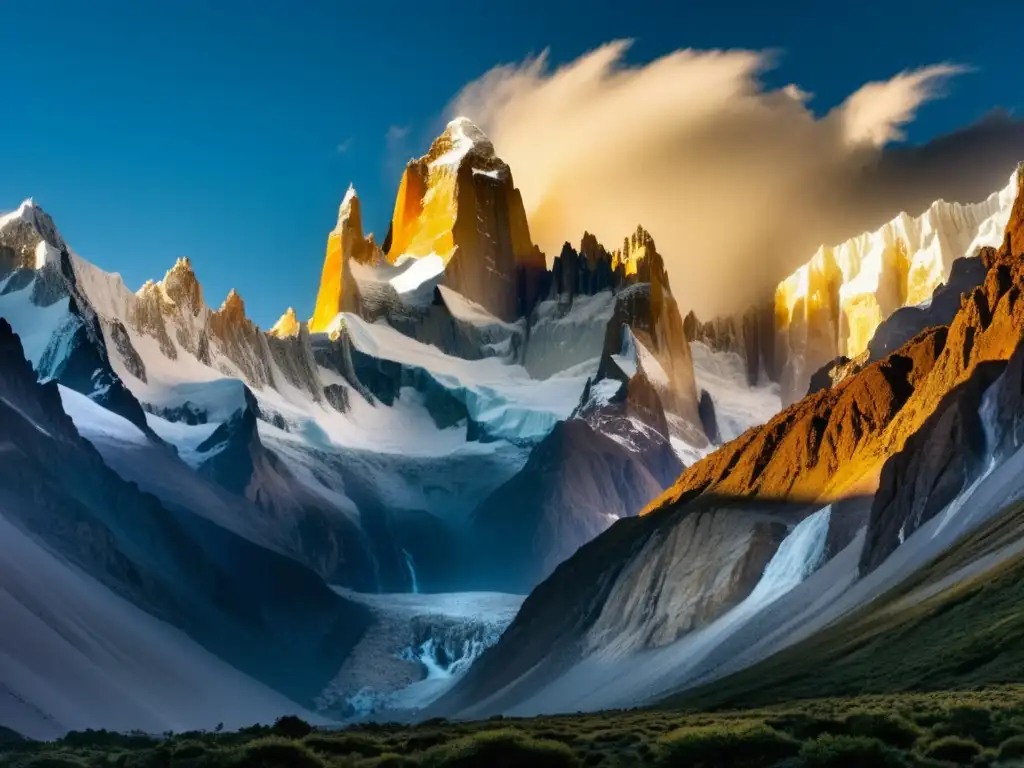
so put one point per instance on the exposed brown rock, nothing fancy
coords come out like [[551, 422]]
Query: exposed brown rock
[[459, 202], [240, 340]]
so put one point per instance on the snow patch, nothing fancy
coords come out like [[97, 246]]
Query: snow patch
[[738, 406], [418, 271], [96, 423]]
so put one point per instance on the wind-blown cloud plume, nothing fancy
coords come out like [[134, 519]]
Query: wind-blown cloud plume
[[738, 184]]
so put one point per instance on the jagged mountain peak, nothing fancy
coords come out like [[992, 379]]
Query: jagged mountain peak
[[181, 286], [233, 304], [25, 228], [349, 210], [287, 325], [831, 306], [460, 139]]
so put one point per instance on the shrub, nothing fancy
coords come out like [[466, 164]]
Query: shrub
[[418, 742], [274, 752], [54, 761], [892, 729], [344, 744], [292, 727], [189, 750], [387, 760], [743, 745], [150, 758], [828, 751], [1012, 749], [506, 748], [969, 723], [953, 749], [805, 727]]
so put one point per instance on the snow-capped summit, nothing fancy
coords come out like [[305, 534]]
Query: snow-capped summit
[[458, 204], [461, 136], [31, 233]]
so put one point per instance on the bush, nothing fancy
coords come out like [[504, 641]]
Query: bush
[[506, 748], [344, 744], [292, 727], [387, 760], [743, 745], [189, 750], [1012, 749], [892, 729], [54, 761], [953, 749], [805, 727], [829, 751], [274, 752], [969, 723]]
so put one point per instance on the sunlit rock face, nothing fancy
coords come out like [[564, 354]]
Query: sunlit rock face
[[287, 326], [458, 203], [593, 268], [345, 244], [831, 306]]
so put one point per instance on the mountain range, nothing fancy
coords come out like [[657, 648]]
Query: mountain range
[[339, 517]]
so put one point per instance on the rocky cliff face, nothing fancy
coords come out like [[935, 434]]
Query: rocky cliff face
[[646, 333], [833, 304], [345, 245], [39, 274], [959, 422], [458, 204], [926, 411], [575, 484], [260, 611], [751, 335]]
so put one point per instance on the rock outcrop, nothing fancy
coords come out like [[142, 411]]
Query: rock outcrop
[[173, 564], [458, 203], [38, 272], [751, 335], [646, 333], [575, 484], [926, 411], [953, 426], [287, 326], [832, 305], [345, 245]]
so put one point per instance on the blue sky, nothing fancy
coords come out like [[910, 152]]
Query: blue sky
[[229, 131]]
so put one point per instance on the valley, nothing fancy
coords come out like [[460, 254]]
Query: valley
[[489, 503]]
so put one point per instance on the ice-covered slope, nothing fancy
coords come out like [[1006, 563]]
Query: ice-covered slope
[[417, 648]]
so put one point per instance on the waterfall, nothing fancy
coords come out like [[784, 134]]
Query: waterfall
[[988, 412], [800, 553], [412, 571]]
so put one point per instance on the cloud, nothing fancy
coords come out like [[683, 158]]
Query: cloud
[[344, 146], [738, 184], [396, 133]]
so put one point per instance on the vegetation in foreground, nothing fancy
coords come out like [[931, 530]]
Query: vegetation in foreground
[[977, 728]]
